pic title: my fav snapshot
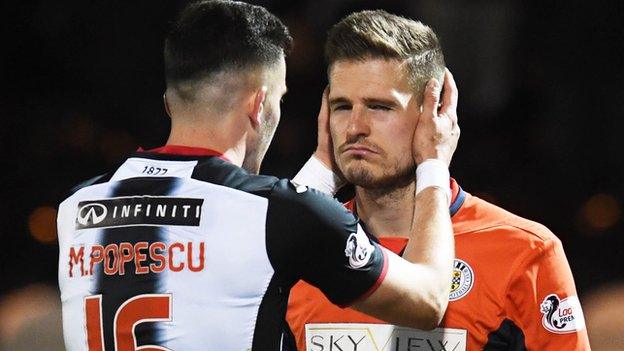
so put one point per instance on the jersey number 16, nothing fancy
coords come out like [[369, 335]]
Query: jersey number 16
[[136, 310]]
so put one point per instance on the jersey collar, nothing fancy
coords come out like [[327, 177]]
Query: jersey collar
[[185, 151], [458, 196]]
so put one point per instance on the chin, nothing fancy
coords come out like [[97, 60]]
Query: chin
[[370, 177], [360, 175]]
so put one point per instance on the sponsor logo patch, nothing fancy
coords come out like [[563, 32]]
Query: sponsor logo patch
[[381, 337], [462, 280], [138, 210], [359, 249], [92, 212], [562, 316]]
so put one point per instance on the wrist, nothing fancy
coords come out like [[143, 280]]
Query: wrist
[[323, 158], [316, 174], [433, 173]]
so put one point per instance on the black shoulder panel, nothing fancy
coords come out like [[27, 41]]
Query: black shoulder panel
[[217, 171]]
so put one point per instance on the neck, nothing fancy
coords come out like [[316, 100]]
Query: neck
[[387, 212], [219, 134]]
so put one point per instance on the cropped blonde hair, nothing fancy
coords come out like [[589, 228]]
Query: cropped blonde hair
[[378, 34]]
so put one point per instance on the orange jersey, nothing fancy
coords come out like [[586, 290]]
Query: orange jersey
[[512, 289]]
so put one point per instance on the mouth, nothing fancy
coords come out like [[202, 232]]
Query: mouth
[[359, 150]]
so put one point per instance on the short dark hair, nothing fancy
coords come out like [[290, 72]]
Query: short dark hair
[[214, 35], [378, 34]]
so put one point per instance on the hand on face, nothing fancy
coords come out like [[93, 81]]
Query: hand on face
[[437, 131], [324, 149]]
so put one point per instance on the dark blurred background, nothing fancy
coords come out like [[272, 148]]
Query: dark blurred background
[[541, 110]]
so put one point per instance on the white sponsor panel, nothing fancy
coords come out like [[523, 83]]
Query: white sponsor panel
[[562, 316], [381, 337]]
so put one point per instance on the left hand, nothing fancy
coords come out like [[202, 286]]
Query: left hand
[[437, 131]]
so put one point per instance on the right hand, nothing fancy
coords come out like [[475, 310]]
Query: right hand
[[324, 148], [437, 131]]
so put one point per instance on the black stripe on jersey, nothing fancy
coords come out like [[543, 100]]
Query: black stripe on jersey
[[270, 321], [508, 337], [117, 289]]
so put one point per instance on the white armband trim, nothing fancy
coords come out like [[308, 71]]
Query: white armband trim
[[433, 173], [316, 175]]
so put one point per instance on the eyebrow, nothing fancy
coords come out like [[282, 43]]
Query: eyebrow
[[339, 100], [368, 101], [381, 101]]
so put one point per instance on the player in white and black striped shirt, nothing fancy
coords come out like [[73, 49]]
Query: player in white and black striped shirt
[[179, 248]]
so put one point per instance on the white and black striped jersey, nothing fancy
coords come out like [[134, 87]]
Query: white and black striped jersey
[[190, 252]]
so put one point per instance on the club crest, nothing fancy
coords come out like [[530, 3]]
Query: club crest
[[462, 280]]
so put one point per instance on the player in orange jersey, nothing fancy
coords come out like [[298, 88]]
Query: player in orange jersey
[[512, 286]]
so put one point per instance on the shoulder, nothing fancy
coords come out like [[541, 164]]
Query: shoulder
[[480, 217], [285, 197], [522, 248], [102, 178], [81, 187], [99, 179], [309, 204], [216, 171]]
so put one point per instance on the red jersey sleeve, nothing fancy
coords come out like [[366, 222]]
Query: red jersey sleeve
[[542, 300]]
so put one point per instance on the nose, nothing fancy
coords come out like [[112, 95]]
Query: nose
[[358, 124]]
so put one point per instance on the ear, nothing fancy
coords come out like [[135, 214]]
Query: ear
[[256, 106], [167, 109]]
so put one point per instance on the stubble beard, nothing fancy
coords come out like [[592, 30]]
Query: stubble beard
[[389, 177]]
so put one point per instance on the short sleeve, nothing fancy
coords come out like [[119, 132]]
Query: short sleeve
[[543, 301], [311, 236]]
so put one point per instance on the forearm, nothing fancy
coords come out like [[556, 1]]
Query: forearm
[[407, 287], [431, 246], [431, 243]]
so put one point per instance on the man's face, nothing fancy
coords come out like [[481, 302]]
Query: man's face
[[373, 115], [271, 111]]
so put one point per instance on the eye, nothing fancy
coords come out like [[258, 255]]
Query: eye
[[379, 107], [341, 107]]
